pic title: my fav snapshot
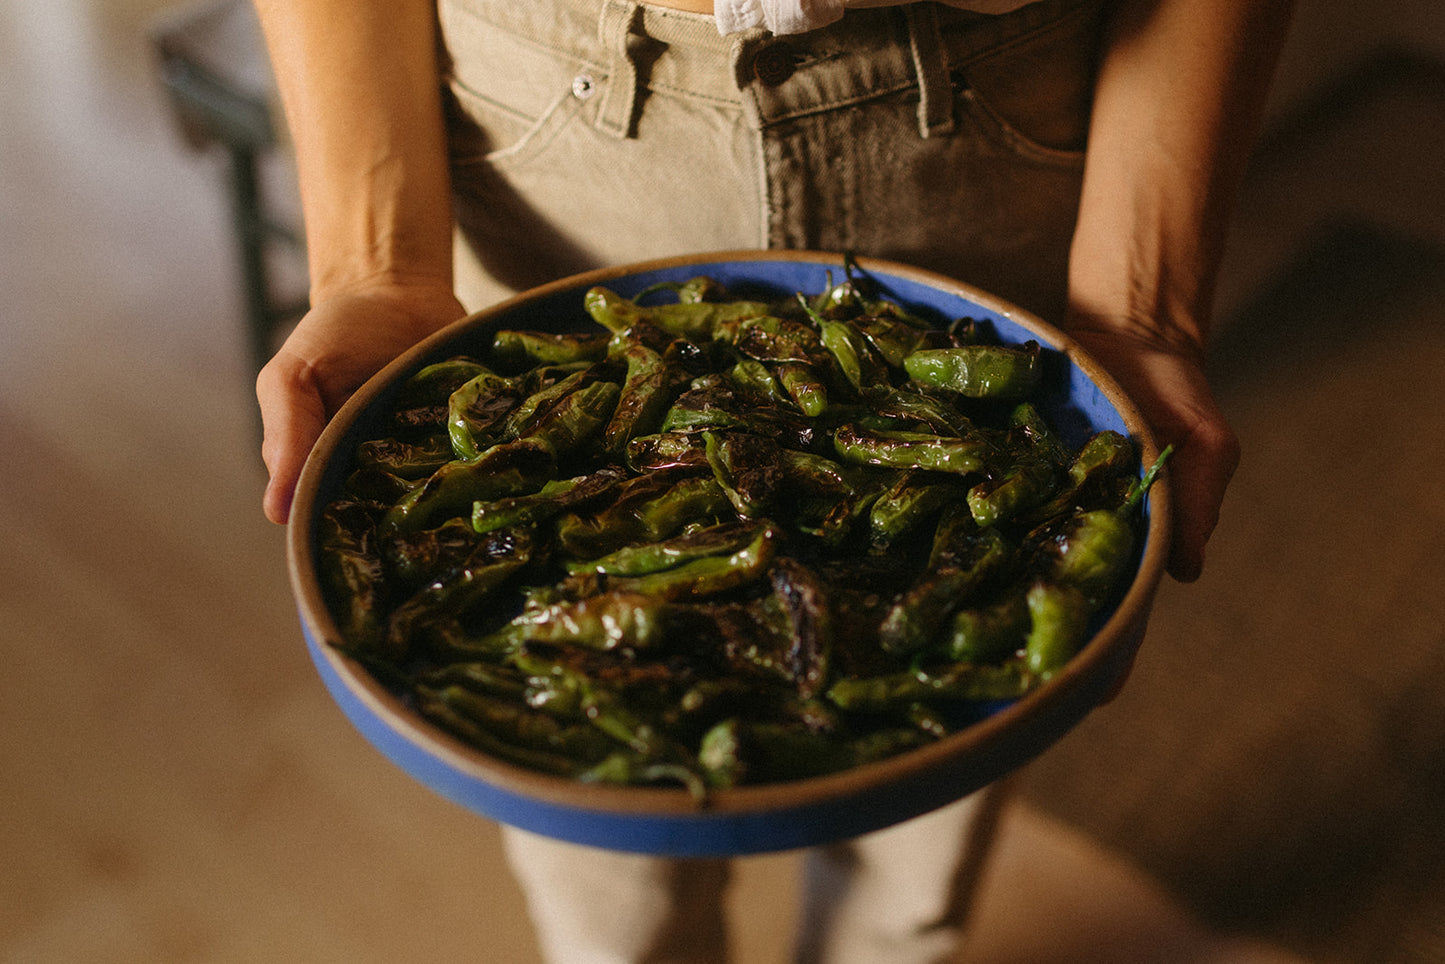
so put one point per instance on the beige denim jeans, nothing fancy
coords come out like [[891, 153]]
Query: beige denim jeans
[[589, 133]]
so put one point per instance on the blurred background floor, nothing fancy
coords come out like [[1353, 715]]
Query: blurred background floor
[[177, 785]]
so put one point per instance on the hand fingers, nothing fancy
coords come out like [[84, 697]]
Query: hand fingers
[[1174, 398], [292, 416], [1204, 464]]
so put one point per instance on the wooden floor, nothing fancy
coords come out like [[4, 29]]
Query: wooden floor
[[177, 786]]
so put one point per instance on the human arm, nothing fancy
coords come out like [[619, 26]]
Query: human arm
[[358, 81], [1181, 88]]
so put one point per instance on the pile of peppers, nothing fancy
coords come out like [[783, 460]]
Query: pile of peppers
[[715, 542]]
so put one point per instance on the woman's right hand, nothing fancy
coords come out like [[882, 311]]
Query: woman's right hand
[[341, 342]]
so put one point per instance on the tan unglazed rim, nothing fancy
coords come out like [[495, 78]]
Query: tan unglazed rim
[[1031, 722]]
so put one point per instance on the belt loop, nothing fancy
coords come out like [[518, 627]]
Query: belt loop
[[616, 111], [930, 64]]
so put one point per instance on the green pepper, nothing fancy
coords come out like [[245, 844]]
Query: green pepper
[[912, 499], [512, 468], [666, 450], [692, 320], [519, 350], [989, 633], [624, 709], [609, 621], [552, 499], [478, 411], [576, 419], [957, 682], [979, 371], [1029, 481], [892, 337], [706, 575], [509, 732], [406, 460], [470, 586], [917, 618], [352, 574], [739, 751], [647, 558], [651, 385], [1058, 624], [646, 508], [910, 450], [420, 405], [1094, 550]]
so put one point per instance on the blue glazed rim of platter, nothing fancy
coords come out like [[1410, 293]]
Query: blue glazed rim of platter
[[1082, 398]]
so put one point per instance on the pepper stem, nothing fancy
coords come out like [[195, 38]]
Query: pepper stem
[[1138, 489]]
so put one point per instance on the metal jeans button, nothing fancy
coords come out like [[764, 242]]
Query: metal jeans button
[[775, 64]]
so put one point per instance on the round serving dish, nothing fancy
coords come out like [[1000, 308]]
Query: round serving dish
[[1081, 398]]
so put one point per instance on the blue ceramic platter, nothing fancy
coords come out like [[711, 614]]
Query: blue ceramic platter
[[1082, 399]]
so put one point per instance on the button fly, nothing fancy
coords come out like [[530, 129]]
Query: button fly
[[775, 64]]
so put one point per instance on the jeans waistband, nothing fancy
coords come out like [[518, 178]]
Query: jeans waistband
[[871, 52]]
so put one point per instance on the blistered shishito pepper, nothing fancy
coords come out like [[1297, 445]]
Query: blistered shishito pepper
[[894, 338], [913, 499], [666, 450], [855, 355], [478, 411], [609, 621], [1027, 482], [415, 558], [693, 320], [746, 751], [1058, 624], [752, 377], [513, 468], [979, 371], [653, 381], [602, 701], [650, 557], [406, 460], [989, 633], [491, 679], [576, 419], [552, 499], [494, 561], [646, 508], [1094, 550], [794, 352], [420, 405], [721, 406], [517, 350], [352, 572], [706, 576], [917, 618], [803, 600], [511, 732], [961, 682], [910, 450], [905, 405]]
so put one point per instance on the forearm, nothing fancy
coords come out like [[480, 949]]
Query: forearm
[[358, 83], [1181, 88]]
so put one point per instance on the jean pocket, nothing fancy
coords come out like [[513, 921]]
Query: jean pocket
[[488, 132], [511, 94], [1033, 93]]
